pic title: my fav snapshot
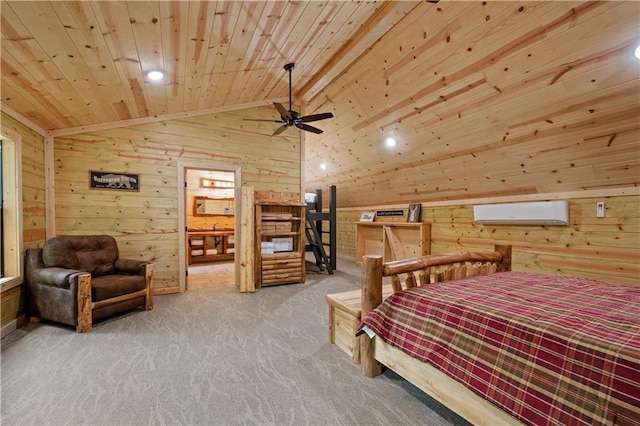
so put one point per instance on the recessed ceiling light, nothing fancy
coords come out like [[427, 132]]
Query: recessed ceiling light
[[391, 142], [637, 52], [323, 166], [155, 75]]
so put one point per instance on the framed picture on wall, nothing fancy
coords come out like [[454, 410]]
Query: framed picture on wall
[[367, 217], [111, 180], [414, 212]]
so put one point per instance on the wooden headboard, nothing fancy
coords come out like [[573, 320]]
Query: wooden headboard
[[429, 269]]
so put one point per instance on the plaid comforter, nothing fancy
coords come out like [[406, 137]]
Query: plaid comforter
[[547, 349]]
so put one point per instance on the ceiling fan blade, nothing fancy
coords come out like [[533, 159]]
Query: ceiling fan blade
[[280, 130], [308, 128], [316, 117], [282, 110]]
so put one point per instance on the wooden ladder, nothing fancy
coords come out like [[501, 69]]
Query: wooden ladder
[[314, 240]]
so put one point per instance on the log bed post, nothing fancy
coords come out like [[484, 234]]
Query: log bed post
[[505, 251], [371, 297]]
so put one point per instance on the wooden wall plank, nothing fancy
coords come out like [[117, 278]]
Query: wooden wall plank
[[604, 248]]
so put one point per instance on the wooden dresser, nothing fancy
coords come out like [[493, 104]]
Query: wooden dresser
[[279, 243]]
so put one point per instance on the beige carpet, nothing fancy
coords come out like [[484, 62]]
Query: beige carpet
[[208, 356]]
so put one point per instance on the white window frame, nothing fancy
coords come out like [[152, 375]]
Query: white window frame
[[12, 209]]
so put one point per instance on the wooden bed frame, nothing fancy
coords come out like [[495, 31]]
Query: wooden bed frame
[[432, 268]]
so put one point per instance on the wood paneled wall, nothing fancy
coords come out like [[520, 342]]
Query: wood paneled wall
[[490, 100], [145, 223], [33, 207], [485, 99], [603, 248]]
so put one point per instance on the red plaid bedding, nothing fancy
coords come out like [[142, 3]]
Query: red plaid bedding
[[547, 349]]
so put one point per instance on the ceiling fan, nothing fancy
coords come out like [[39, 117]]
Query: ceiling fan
[[292, 118]]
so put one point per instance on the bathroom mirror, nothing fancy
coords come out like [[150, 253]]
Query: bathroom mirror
[[206, 206]]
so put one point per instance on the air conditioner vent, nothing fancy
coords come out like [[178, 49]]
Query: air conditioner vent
[[531, 213]]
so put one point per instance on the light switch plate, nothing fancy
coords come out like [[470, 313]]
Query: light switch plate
[[600, 209]]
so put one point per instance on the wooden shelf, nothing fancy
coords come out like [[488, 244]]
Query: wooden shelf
[[392, 224], [279, 234], [200, 245], [392, 240], [280, 267]]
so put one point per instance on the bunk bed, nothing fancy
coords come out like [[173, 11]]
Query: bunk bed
[[504, 347]]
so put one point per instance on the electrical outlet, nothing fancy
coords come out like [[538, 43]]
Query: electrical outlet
[[600, 209]]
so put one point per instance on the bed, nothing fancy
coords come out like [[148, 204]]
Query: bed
[[504, 347]]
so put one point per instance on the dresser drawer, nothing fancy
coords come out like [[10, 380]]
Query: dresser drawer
[[280, 268]]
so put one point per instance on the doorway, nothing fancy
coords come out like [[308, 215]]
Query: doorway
[[209, 221]]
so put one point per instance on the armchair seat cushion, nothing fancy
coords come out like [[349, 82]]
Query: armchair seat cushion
[[106, 287]]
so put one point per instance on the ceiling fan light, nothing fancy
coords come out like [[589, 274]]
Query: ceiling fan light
[[155, 75]]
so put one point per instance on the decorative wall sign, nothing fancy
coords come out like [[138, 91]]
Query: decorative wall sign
[[110, 180], [390, 213], [366, 217], [414, 212]]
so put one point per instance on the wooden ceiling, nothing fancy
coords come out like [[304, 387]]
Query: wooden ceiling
[[67, 64], [485, 99]]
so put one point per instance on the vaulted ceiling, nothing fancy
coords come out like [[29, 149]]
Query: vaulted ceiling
[[485, 99], [67, 64]]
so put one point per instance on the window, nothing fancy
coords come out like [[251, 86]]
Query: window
[[11, 217]]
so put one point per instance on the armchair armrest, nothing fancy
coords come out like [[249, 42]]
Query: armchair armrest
[[57, 277], [130, 266]]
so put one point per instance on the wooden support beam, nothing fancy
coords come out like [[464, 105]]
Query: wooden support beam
[[245, 267]]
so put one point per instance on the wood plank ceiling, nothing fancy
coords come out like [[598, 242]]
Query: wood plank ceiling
[[67, 64], [486, 99]]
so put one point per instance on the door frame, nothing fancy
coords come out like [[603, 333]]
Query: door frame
[[183, 166]]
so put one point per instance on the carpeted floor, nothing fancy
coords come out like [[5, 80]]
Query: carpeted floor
[[209, 356]]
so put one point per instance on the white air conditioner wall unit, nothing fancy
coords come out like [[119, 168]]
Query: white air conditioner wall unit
[[531, 213]]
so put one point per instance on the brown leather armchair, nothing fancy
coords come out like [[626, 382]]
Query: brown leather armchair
[[76, 280]]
